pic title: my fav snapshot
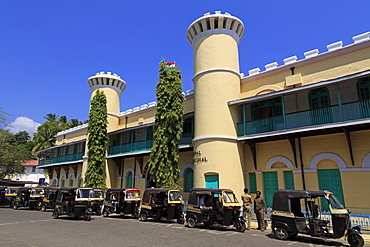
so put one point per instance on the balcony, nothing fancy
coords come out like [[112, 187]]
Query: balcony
[[186, 139], [61, 159], [333, 114]]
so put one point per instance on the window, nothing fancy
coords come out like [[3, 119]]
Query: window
[[289, 180], [71, 182], [252, 183], [149, 133], [188, 180], [363, 88], [188, 125], [33, 168], [319, 98], [267, 108], [319, 104]]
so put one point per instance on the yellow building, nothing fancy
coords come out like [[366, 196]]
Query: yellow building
[[301, 125]]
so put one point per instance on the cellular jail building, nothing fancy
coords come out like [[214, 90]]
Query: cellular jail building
[[302, 125]]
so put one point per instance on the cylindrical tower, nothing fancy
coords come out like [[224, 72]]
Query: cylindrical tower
[[217, 157], [112, 85]]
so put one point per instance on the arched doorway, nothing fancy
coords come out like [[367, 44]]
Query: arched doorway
[[129, 180], [188, 179], [270, 185], [329, 176]]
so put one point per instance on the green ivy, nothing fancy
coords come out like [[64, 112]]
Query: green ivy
[[164, 158], [97, 142]]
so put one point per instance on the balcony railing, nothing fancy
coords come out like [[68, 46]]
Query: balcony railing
[[186, 139], [62, 159], [333, 114]]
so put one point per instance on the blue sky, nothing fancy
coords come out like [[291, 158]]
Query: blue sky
[[49, 48]]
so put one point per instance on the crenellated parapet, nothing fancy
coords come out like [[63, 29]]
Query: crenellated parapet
[[331, 48], [216, 23], [105, 80], [152, 104]]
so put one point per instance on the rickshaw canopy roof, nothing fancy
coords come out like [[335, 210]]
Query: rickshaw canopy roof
[[111, 190], [207, 191]]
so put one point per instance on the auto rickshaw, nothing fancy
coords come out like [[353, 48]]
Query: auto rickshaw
[[74, 202], [28, 197], [50, 196], [288, 220], [97, 206], [7, 195], [122, 201], [214, 207], [162, 204]]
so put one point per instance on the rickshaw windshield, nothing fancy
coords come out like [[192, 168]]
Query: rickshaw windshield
[[229, 197], [335, 203], [85, 193], [132, 195], [175, 196], [37, 192], [12, 191]]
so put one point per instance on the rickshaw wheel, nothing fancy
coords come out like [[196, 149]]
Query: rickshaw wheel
[[281, 233], [105, 213], [143, 217], [87, 217], [240, 227], [15, 206], [181, 220], [355, 240], [43, 208], [55, 215], [191, 222]]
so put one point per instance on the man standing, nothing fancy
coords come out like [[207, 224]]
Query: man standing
[[259, 210], [247, 203]]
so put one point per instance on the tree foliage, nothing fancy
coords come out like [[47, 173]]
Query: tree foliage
[[3, 119], [45, 135], [14, 150], [164, 158], [97, 141]]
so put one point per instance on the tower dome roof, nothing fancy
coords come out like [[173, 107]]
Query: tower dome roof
[[216, 23], [108, 79]]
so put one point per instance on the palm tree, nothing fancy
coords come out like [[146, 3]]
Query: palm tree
[[45, 135], [51, 117], [22, 137], [73, 123]]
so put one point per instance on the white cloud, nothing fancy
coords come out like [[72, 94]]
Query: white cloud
[[23, 124]]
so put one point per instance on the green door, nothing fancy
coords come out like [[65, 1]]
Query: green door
[[270, 185], [211, 181], [289, 180], [329, 179], [129, 180]]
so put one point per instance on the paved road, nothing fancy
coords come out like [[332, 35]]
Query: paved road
[[34, 228]]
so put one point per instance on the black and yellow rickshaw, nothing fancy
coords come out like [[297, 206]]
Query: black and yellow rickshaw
[[3, 200], [28, 197], [74, 202], [162, 204], [50, 197], [298, 212], [214, 207], [122, 201], [97, 205], [7, 195]]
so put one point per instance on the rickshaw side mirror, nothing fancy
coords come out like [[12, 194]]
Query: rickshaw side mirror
[[349, 211]]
